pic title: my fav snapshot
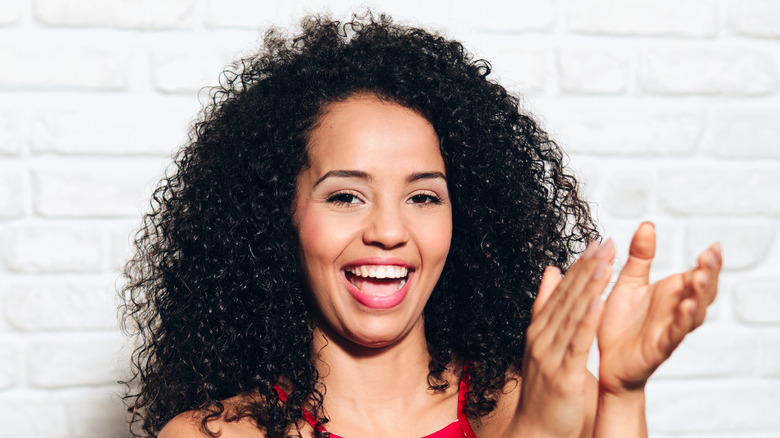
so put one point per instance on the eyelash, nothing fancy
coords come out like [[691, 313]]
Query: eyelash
[[426, 198], [347, 199], [339, 198]]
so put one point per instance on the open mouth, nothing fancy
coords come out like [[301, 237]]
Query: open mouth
[[377, 280]]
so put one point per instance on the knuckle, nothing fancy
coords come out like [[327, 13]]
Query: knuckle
[[560, 385], [537, 353], [568, 321], [578, 348]]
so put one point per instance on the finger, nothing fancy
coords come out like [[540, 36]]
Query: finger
[[579, 348], [701, 292], [702, 282], [710, 262], [591, 249], [667, 294], [553, 294], [679, 305], [682, 324], [550, 279], [636, 271], [568, 322], [577, 286], [559, 296]]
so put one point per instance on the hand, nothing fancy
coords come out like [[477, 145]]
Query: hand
[[643, 323], [554, 399]]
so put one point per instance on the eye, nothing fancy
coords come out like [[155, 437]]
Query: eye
[[424, 199], [343, 198]]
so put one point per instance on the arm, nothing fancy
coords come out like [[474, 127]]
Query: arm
[[621, 415], [642, 324]]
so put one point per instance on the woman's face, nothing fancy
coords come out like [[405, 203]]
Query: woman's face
[[374, 219]]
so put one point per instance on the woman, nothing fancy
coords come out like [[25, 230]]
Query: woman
[[353, 242]]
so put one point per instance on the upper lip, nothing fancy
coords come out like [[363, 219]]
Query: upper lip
[[384, 261]]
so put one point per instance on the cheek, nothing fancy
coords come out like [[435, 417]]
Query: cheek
[[322, 235], [436, 238], [310, 230]]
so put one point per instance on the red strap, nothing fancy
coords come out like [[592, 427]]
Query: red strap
[[465, 381]]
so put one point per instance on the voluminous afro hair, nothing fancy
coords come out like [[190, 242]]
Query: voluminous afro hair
[[214, 292]]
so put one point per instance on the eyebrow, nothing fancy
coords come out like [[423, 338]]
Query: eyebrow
[[425, 175], [365, 176], [344, 174]]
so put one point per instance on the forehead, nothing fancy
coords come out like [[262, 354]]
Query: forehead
[[366, 133]]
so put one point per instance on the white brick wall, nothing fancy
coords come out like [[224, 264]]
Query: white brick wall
[[10, 132], [734, 405], [10, 11], [55, 65], [589, 70], [52, 247], [87, 303], [670, 110], [707, 71], [747, 132], [754, 18], [133, 14], [691, 18]]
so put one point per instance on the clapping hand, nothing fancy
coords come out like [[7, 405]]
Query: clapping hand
[[556, 395], [638, 327], [643, 322]]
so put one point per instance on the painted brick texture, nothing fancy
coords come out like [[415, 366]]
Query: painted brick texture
[[669, 110]]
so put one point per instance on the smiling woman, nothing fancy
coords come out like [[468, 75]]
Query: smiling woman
[[377, 218], [365, 236]]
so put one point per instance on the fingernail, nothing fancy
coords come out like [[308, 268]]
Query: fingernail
[[601, 270], [606, 249], [718, 251]]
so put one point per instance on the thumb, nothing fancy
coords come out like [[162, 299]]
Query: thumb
[[640, 256]]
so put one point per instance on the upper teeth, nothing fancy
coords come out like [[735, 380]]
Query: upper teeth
[[375, 271]]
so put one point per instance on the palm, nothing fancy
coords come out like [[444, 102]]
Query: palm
[[631, 337], [643, 323]]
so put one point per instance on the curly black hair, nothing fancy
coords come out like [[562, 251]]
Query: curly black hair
[[214, 293]]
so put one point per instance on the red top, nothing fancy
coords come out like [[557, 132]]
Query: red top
[[459, 428]]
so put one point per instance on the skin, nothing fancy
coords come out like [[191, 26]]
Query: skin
[[558, 394], [351, 205], [369, 210], [642, 324], [638, 327], [400, 212]]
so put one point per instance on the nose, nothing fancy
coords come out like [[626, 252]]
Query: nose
[[386, 227]]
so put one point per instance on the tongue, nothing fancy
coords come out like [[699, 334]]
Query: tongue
[[377, 287]]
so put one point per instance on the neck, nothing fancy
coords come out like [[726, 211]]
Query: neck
[[378, 391], [367, 375]]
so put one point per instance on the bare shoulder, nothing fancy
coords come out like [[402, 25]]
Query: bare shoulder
[[188, 425], [184, 425], [499, 421]]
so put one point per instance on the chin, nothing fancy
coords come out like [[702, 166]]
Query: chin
[[377, 334]]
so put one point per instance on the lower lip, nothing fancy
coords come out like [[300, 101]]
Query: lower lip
[[377, 302]]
